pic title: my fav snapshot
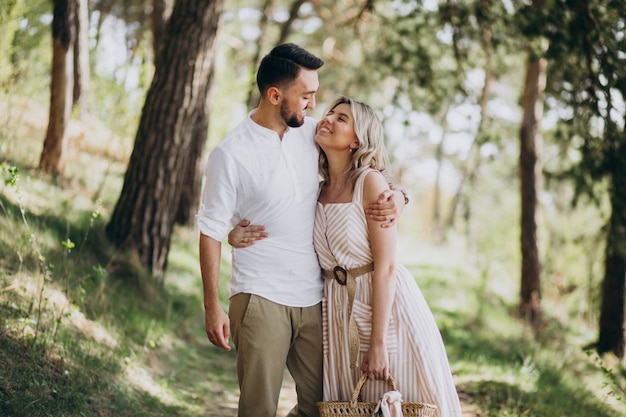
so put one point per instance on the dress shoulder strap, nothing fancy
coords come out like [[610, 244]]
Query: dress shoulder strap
[[357, 197]]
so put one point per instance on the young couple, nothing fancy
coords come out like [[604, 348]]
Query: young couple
[[284, 310]]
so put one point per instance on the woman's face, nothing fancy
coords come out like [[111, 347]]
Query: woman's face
[[335, 132]]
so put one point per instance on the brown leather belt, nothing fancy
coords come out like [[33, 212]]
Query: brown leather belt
[[347, 277], [355, 272]]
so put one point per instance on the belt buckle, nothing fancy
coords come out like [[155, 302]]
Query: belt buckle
[[343, 271]]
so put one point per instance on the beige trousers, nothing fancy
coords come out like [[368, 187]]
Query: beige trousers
[[268, 337]]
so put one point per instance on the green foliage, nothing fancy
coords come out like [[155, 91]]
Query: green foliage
[[9, 11], [499, 368], [83, 332], [25, 46], [115, 105], [79, 326], [105, 346], [586, 83]]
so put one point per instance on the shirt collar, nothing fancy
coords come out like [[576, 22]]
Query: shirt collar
[[263, 131]]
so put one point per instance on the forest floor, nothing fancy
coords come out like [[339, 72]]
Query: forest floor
[[81, 334]]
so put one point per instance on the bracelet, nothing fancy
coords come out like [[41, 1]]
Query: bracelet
[[405, 194]]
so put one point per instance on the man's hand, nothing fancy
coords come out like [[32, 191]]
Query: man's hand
[[387, 208], [217, 327], [245, 234]]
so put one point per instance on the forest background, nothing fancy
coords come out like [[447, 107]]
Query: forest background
[[504, 120]]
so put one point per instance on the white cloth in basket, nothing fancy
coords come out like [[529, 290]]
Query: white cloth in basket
[[390, 405]]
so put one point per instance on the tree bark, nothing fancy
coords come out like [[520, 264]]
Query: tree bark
[[61, 86], [82, 73], [529, 171], [143, 218], [438, 234], [611, 332], [190, 195], [161, 10]]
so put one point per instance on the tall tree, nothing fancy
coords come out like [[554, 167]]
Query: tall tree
[[61, 85], [588, 78], [144, 215], [161, 10], [81, 54], [530, 177], [530, 174], [470, 169], [190, 197], [611, 326]]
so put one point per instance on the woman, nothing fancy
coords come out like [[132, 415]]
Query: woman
[[370, 302]]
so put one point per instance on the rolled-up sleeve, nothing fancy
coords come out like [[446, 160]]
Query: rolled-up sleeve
[[219, 196]]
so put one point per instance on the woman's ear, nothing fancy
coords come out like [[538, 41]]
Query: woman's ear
[[354, 145]]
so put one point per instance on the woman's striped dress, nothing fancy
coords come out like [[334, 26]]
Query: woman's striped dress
[[417, 357]]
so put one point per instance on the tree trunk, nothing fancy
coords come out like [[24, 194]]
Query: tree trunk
[[144, 215], [103, 7], [190, 197], [81, 55], [611, 333], [61, 85], [161, 10], [530, 171], [285, 29], [190, 194], [437, 228]]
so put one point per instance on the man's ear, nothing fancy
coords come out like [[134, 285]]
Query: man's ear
[[273, 95]]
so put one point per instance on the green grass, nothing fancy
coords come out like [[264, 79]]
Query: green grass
[[84, 331]]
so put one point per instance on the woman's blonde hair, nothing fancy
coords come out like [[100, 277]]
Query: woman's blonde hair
[[371, 152]]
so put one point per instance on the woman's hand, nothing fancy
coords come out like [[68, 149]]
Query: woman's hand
[[376, 363], [245, 234]]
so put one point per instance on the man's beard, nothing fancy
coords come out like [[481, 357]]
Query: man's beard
[[292, 119]]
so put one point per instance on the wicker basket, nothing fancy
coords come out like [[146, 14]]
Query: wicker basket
[[355, 408]]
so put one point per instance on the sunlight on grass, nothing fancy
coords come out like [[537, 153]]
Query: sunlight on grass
[[80, 334], [141, 378], [57, 305]]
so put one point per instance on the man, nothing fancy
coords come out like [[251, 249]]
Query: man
[[265, 171]]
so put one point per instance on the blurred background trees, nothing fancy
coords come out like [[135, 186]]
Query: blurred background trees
[[505, 119]]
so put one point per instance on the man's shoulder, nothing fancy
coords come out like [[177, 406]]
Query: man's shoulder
[[307, 129], [310, 123], [234, 137]]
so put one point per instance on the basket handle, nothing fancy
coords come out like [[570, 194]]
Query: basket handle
[[359, 387]]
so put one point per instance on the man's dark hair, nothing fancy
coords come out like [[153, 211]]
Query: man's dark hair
[[282, 66]]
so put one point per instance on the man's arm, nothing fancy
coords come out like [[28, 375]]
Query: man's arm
[[245, 234], [388, 207], [216, 321]]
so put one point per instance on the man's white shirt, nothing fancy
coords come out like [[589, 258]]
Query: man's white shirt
[[254, 175]]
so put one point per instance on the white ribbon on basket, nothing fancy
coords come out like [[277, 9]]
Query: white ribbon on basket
[[390, 405]]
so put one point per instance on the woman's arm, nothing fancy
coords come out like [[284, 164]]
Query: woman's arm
[[383, 245]]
